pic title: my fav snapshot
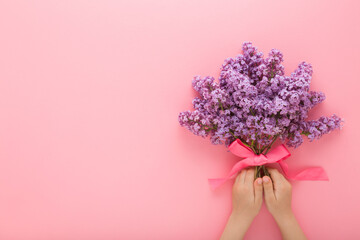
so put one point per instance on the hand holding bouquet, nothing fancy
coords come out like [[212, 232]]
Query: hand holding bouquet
[[254, 104]]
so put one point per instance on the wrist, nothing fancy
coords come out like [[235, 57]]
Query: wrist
[[289, 227], [236, 226], [284, 218], [241, 217]]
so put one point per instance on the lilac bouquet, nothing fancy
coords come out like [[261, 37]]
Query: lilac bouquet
[[254, 102]]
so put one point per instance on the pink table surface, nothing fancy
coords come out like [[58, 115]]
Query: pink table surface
[[90, 91]]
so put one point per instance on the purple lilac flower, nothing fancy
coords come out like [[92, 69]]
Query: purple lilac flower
[[255, 102]]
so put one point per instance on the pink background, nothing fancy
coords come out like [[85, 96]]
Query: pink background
[[90, 91]]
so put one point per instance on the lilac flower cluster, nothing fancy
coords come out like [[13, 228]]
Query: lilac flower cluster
[[255, 102]]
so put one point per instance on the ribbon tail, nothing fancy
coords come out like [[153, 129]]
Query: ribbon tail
[[313, 173], [216, 182]]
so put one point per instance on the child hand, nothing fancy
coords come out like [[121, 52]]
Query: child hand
[[277, 194], [247, 197], [278, 201], [247, 194]]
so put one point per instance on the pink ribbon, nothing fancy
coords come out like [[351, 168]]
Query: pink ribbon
[[278, 154]]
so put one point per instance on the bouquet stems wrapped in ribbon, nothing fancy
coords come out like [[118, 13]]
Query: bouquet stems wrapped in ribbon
[[252, 105]]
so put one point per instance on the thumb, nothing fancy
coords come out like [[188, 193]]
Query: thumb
[[268, 189], [258, 190]]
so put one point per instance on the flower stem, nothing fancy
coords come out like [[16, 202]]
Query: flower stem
[[261, 171], [232, 133], [268, 148], [221, 106]]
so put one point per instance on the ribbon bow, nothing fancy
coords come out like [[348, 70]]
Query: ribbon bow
[[278, 154]]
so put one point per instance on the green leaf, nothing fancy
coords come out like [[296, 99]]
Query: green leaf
[[305, 133]]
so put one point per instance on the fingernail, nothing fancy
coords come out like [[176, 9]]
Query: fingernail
[[266, 179], [259, 181]]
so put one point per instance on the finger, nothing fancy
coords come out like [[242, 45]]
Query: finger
[[268, 189], [241, 176], [281, 184], [249, 178], [277, 177], [258, 190]]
